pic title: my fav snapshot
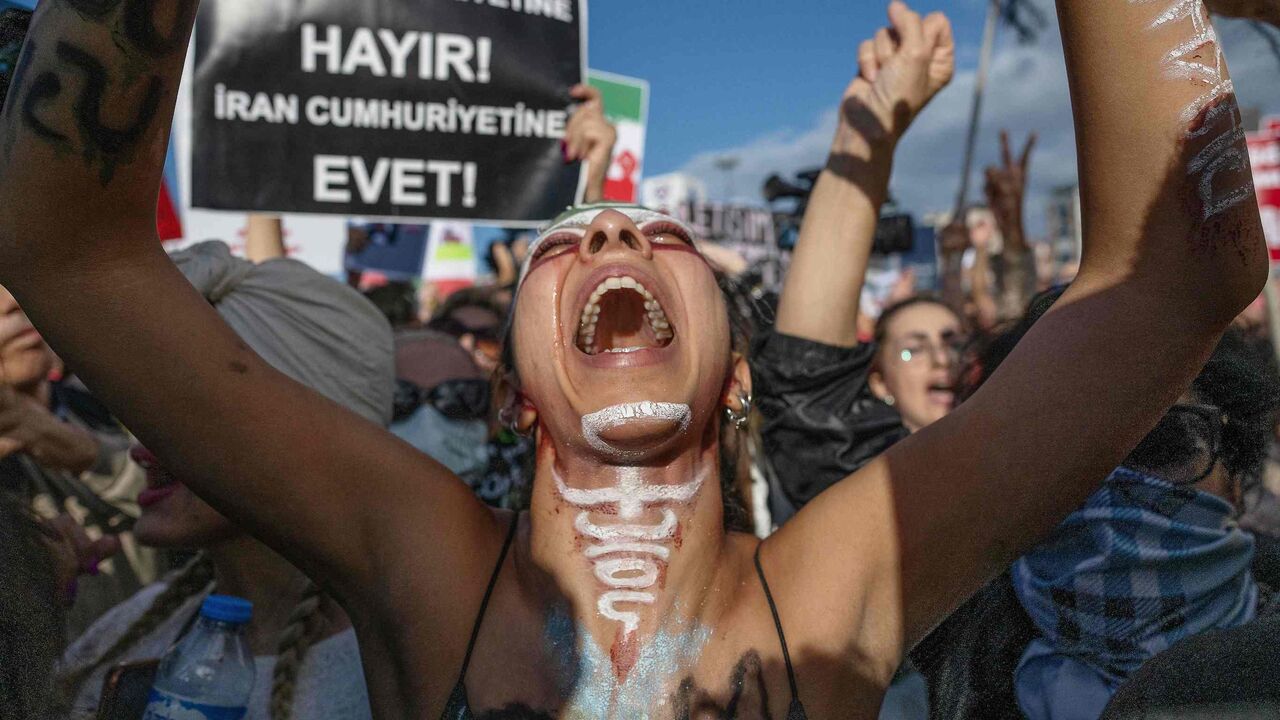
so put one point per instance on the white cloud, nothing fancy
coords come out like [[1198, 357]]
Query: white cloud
[[1026, 91]]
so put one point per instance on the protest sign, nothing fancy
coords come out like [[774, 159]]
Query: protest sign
[[450, 252], [626, 105], [386, 108], [1264, 155]]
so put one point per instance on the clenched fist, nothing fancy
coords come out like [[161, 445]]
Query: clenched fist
[[900, 70]]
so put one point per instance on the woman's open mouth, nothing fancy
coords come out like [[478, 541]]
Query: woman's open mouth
[[160, 484], [622, 316]]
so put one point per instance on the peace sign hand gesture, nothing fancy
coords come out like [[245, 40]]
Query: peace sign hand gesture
[[900, 70], [1007, 185]]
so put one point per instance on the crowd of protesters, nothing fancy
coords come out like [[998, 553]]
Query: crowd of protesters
[[1020, 497]]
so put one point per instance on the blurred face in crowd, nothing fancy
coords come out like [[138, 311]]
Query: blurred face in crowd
[[917, 363], [1183, 448], [618, 307], [171, 515], [25, 360]]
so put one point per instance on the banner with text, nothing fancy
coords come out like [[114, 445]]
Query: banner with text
[[1264, 155], [386, 108]]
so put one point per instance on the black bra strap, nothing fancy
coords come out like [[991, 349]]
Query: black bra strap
[[484, 604], [777, 622]]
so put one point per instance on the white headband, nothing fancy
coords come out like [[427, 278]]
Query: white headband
[[583, 217]]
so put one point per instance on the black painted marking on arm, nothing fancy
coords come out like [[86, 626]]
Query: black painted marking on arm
[[140, 26], [43, 89], [109, 144]]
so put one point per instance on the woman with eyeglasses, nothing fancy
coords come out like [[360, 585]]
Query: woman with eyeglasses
[[621, 593]]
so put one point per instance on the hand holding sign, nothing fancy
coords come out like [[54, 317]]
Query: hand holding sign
[[590, 137]]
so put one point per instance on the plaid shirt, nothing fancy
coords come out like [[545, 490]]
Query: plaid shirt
[[1143, 564]]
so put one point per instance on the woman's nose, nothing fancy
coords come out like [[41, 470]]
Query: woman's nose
[[610, 232]]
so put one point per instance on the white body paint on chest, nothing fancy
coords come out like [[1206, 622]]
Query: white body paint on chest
[[1188, 61], [625, 555]]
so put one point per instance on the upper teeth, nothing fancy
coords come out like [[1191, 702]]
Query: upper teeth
[[591, 313]]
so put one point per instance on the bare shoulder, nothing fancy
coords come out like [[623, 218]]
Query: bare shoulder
[[827, 568]]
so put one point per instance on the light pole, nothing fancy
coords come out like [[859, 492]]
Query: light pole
[[975, 115]]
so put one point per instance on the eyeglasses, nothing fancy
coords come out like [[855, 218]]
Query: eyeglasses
[[921, 349], [1203, 423], [1186, 444]]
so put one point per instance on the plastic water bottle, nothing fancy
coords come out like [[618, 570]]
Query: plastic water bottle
[[209, 674]]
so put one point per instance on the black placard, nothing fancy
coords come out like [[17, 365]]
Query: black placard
[[387, 108]]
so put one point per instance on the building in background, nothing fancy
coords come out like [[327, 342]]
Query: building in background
[[1063, 232]]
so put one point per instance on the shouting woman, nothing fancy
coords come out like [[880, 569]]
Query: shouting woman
[[620, 594]]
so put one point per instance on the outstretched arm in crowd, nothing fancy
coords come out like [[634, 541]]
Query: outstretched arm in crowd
[[1173, 250], [820, 299], [264, 238], [82, 142], [1006, 191]]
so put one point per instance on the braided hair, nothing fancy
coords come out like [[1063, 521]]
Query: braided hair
[[305, 625], [194, 577]]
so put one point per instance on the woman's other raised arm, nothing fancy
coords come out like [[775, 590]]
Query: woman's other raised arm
[[1173, 250], [82, 141]]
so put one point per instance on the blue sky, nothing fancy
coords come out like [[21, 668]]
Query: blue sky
[[725, 73], [760, 80]]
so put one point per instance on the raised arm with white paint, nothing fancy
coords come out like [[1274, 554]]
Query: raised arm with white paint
[[1172, 252]]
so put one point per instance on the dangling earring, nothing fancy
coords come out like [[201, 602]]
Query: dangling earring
[[888, 400], [509, 416], [740, 417]]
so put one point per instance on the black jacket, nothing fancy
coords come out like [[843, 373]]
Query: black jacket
[[821, 424]]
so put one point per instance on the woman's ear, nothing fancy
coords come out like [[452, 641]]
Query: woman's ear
[[738, 385], [875, 382], [516, 412]]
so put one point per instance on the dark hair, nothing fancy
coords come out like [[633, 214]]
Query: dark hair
[[31, 622], [1237, 379], [992, 350], [736, 515], [14, 24], [1240, 382], [887, 315], [397, 301]]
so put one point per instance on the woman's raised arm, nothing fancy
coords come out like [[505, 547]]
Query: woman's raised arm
[[82, 142], [1173, 250], [824, 283]]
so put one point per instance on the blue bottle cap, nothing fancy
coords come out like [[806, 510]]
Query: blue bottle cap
[[227, 608]]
